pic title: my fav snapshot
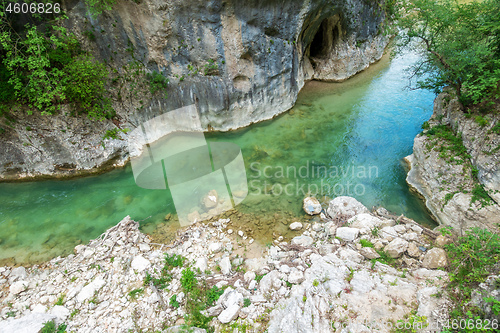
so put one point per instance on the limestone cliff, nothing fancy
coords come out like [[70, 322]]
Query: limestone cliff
[[461, 188], [240, 62]]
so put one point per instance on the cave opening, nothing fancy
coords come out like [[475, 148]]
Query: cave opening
[[325, 38], [317, 48]]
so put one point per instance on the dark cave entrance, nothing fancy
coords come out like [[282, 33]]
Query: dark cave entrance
[[325, 38]]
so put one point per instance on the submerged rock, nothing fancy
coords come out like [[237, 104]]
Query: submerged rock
[[295, 226], [312, 206]]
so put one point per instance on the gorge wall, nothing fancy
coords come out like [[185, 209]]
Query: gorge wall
[[455, 166], [239, 62]]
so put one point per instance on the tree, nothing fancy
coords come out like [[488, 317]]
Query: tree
[[460, 45]]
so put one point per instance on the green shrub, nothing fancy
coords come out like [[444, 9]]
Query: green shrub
[[366, 243], [213, 295], [46, 70], [188, 280], [481, 121], [173, 301], [84, 84], [96, 7], [425, 125], [246, 302], [480, 194], [452, 145], [471, 260], [174, 260], [157, 82], [50, 327]]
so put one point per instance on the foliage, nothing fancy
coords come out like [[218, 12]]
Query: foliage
[[48, 68], [60, 300], [174, 260], [84, 84], [472, 256], [213, 295], [384, 258], [113, 134], [50, 327], [413, 324], [259, 277], [157, 82], [496, 129], [495, 305], [366, 243], [173, 301], [461, 42], [134, 294], [480, 194], [246, 302], [452, 145], [472, 259], [211, 68], [188, 280], [481, 121], [96, 7]]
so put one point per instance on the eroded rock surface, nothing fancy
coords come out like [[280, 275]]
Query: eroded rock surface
[[447, 181], [239, 62]]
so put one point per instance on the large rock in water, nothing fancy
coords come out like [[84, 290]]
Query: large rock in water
[[252, 59], [312, 206], [346, 206]]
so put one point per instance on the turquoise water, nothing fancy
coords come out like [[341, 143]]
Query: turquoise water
[[340, 139]]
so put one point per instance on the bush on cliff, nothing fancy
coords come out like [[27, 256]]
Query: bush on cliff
[[44, 67], [461, 46]]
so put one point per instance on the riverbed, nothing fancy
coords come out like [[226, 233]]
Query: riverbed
[[344, 138]]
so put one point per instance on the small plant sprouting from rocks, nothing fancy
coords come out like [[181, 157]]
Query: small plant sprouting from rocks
[[157, 82], [315, 283], [350, 275], [134, 294], [246, 302], [174, 260], [50, 327], [366, 243], [259, 277], [188, 280], [173, 302], [60, 300], [375, 231]]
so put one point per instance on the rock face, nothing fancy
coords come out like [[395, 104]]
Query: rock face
[[447, 182], [239, 62]]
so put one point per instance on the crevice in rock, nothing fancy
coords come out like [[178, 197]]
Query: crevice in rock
[[325, 39]]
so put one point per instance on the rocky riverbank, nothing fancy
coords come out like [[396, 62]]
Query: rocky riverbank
[[239, 63], [455, 166], [332, 276]]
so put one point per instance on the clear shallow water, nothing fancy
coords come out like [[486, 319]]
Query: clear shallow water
[[340, 139]]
